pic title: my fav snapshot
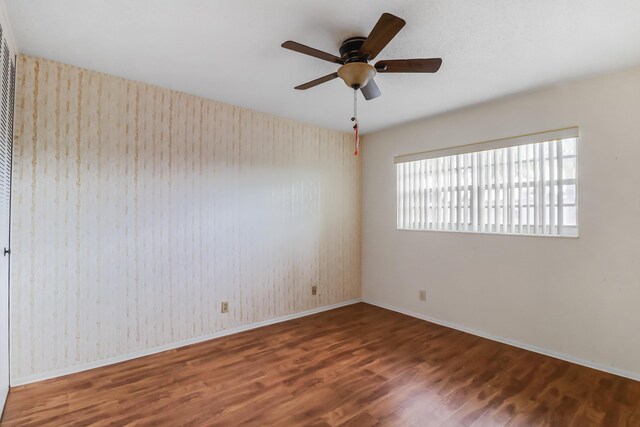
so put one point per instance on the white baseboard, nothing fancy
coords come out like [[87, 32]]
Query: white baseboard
[[104, 362], [533, 348]]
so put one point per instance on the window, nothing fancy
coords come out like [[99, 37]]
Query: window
[[524, 185]]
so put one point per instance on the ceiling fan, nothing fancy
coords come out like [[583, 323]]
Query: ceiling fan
[[355, 54]]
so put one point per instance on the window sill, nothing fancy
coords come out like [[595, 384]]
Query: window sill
[[485, 233]]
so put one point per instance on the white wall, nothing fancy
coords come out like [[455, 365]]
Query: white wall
[[7, 30], [576, 297], [138, 210]]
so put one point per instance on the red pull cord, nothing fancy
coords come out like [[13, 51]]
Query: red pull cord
[[355, 129], [355, 120]]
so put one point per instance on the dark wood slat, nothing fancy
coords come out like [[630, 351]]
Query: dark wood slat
[[430, 65], [383, 32], [299, 47], [355, 366], [316, 82]]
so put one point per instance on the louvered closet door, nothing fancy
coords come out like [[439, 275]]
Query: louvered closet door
[[6, 144]]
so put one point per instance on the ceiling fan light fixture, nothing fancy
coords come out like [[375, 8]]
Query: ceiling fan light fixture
[[356, 74]]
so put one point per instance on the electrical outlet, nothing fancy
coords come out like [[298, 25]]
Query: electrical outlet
[[314, 290], [423, 295], [224, 307]]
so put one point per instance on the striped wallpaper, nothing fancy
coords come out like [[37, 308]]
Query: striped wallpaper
[[137, 210]]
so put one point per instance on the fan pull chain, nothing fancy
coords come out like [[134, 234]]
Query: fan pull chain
[[355, 120]]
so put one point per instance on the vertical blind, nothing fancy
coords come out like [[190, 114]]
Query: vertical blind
[[510, 186], [7, 79], [7, 88]]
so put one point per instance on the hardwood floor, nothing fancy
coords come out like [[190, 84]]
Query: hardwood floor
[[358, 365]]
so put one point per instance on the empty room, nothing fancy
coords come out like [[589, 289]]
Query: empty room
[[320, 213]]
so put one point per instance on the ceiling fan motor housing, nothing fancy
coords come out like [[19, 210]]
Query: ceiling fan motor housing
[[350, 50]]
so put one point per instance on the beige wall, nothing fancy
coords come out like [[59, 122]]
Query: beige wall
[[574, 297], [137, 210]]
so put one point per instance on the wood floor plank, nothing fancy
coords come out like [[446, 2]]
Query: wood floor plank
[[354, 366]]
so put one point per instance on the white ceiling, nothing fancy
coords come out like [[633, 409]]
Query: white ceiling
[[230, 50]]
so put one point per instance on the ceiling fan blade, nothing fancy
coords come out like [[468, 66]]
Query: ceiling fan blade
[[371, 90], [385, 29], [316, 82], [430, 65], [297, 47]]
